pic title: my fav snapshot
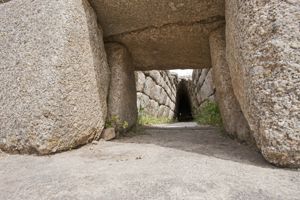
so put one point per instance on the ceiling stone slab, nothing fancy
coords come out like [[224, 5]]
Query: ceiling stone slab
[[119, 16]]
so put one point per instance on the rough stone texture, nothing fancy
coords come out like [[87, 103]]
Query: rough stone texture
[[151, 28], [201, 88], [156, 93], [53, 78], [263, 53], [122, 91], [108, 134], [150, 48], [234, 121], [118, 17]]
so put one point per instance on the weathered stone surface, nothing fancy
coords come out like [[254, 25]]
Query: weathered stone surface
[[263, 56], [149, 84], [201, 74], [108, 134], [201, 88], [155, 98], [151, 48], [208, 88], [118, 17], [140, 78], [161, 110], [234, 121], [53, 78], [122, 101], [151, 28], [153, 107], [143, 99], [54, 72]]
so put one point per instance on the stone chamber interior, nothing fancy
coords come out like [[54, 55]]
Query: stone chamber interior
[[248, 64]]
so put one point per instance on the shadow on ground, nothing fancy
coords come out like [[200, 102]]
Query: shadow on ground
[[209, 141]]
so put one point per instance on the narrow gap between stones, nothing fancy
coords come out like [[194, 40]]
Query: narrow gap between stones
[[183, 109]]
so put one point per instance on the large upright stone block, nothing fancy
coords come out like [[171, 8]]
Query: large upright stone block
[[233, 119], [53, 76], [122, 101], [263, 53]]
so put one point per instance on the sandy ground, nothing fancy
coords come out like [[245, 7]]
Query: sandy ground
[[178, 161]]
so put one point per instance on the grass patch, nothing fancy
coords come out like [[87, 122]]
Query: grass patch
[[150, 120], [115, 122], [144, 119], [209, 114]]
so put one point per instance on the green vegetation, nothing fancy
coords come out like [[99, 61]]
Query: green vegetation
[[144, 119], [115, 122], [209, 114], [150, 120]]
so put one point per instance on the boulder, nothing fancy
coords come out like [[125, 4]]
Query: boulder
[[234, 121], [263, 54], [122, 100], [54, 76], [149, 85], [108, 134]]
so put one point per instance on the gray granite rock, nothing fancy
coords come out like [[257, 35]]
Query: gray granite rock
[[108, 134], [122, 101], [234, 121], [140, 78], [151, 28], [264, 62], [53, 76]]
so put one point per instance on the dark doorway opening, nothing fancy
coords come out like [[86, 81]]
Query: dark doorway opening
[[183, 103]]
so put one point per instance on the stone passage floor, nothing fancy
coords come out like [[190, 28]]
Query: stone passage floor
[[179, 161]]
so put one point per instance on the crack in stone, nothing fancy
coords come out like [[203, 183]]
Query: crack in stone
[[156, 82], [209, 20]]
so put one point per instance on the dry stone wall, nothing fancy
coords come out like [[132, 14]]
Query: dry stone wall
[[156, 93], [201, 88]]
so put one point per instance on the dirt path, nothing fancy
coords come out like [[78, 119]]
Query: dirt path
[[166, 163]]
